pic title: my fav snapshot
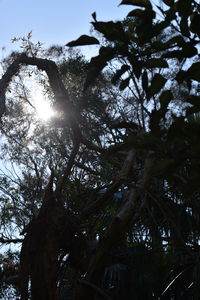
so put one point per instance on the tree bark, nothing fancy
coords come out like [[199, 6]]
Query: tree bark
[[51, 231]]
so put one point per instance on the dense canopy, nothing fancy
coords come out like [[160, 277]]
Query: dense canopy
[[101, 201]]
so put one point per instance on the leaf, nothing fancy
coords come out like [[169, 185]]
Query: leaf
[[136, 13], [176, 40], [143, 3], [157, 84], [183, 7], [165, 98], [136, 65], [145, 81], [112, 31], [181, 76], [194, 118], [154, 123], [97, 64], [160, 46], [170, 15], [195, 21], [159, 27], [184, 26], [124, 83], [169, 2], [174, 54], [194, 71], [83, 40], [189, 50], [195, 101], [119, 73], [157, 63], [94, 15]]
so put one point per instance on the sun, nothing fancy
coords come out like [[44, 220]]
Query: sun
[[43, 108]]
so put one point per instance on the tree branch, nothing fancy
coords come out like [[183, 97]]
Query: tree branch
[[68, 169], [9, 241], [129, 212], [63, 103]]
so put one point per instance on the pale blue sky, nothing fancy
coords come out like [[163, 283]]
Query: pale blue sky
[[53, 22]]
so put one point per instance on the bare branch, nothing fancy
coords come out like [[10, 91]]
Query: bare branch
[[9, 241]]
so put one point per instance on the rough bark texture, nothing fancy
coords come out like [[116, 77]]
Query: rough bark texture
[[45, 250]]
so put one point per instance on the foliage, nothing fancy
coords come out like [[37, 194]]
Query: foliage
[[119, 216]]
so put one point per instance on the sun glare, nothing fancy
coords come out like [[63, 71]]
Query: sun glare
[[43, 108]]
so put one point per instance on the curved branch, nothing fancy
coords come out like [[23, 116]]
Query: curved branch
[[63, 102]]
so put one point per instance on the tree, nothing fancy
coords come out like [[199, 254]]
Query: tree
[[132, 192]]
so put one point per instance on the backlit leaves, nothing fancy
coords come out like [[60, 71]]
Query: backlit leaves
[[119, 73], [169, 2], [193, 73], [97, 64], [195, 21], [157, 63], [143, 3], [124, 84], [83, 40], [111, 30], [136, 13], [157, 84], [165, 98]]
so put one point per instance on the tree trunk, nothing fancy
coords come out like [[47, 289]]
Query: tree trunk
[[42, 247], [44, 260]]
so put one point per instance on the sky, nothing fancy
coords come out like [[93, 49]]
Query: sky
[[53, 22]]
